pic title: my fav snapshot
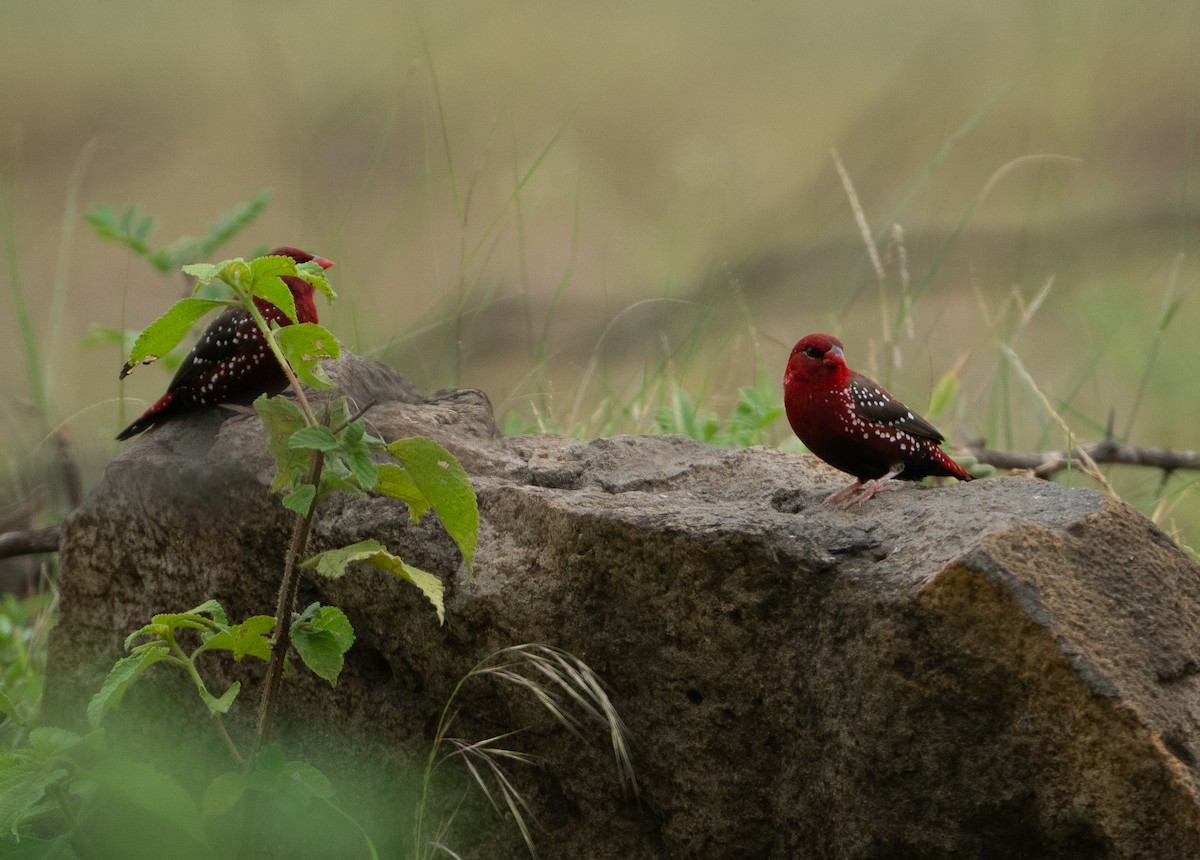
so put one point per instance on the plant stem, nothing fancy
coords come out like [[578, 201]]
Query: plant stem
[[283, 617], [309, 415]]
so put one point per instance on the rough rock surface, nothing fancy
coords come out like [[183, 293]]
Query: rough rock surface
[[998, 669]]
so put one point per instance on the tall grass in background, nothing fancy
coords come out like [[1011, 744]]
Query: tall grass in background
[[704, 370]]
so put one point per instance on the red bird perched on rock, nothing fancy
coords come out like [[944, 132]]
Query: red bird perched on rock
[[231, 363], [853, 424]]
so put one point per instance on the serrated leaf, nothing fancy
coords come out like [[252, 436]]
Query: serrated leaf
[[275, 291], [165, 333], [248, 639], [364, 469], [429, 584], [158, 631], [49, 742], [213, 608], [445, 484], [395, 481], [202, 272], [123, 673], [331, 480], [334, 621], [281, 418], [19, 800], [221, 705], [332, 563], [253, 637], [223, 793], [320, 652], [315, 275], [315, 437], [300, 500], [304, 345]]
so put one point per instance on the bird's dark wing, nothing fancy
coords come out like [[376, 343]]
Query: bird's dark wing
[[217, 345], [876, 406]]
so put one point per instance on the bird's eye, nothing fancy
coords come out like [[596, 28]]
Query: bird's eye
[[813, 352]]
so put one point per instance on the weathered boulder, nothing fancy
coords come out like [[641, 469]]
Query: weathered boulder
[[998, 669]]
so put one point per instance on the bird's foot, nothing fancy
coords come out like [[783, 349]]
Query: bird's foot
[[840, 495], [860, 491], [239, 408]]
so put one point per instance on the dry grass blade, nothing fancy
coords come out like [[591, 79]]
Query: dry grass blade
[[489, 757], [556, 678]]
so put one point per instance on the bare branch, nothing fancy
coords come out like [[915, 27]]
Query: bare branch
[[30, 542], [1049, 463]]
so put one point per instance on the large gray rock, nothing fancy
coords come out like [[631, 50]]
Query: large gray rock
[[998, 669]]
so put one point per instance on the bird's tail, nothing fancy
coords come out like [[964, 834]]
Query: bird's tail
[[953, 470], [154, 415]]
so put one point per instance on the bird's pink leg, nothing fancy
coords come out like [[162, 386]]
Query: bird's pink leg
[[870, 488], [847, 496], [847, 490]]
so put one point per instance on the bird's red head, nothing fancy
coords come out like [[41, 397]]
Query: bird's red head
[[817, 358], [300, 256]]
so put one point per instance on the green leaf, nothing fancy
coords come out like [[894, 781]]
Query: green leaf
[[155, 794], [165, 333], [125, 229], [315, 275], [223, 793], [304, 345], [8, 708], [395, 481], [282, 418], [251, 638], [334, 621], [332, 480], [429, 584], [213, 608], [122, 674], [320, 652], [202, 272], [444, 483], [271, 289], [221, 705], [364, 469], [18, 800], [300, 500], [332, 565], [51, 742], [315, 437], [297, 781]]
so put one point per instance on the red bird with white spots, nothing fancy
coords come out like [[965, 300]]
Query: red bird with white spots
[[231, 363], [853, 424]]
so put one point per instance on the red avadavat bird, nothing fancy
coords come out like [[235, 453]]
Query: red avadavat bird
[[853, 424], [231, 363]]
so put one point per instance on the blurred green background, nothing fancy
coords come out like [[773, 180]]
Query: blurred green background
[[579, 207]]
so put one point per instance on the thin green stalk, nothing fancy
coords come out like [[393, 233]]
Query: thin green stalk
[[33, 365], [283, 616], [1169, 307], [58, 293]]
